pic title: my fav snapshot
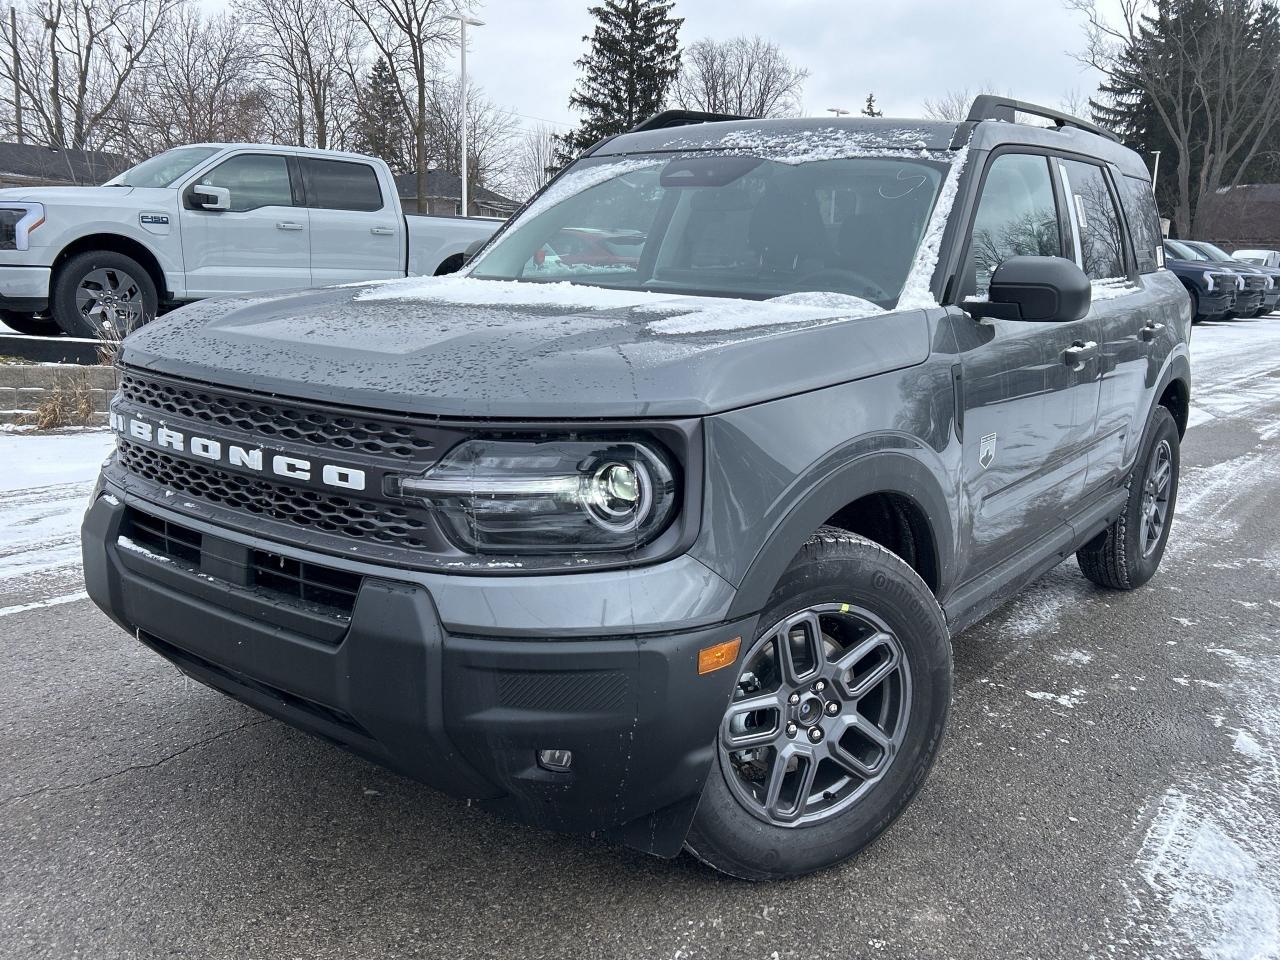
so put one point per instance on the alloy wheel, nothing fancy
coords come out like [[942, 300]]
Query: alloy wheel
[[818, 715], [1155, 498], [110, 300]]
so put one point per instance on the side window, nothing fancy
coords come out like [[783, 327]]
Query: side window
[[255, 180], [1144, 222], [1099, 234], [341, 185], [1016, 216]]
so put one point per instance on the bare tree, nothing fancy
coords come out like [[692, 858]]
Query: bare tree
[[411, 35], [954, 104], [309, 50], [200, 85], [78, 57], [535, 161], [744, 76], [491, 139], [1210, 76]]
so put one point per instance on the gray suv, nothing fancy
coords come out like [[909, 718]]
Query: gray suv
[[657, 522]]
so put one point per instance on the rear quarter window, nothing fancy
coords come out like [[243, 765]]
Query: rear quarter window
[[341, 185], [1144, 221]]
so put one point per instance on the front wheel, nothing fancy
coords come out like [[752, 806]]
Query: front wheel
[[837, 716], [103, 295], [1127, 554]]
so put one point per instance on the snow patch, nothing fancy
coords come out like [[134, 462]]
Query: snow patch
[[1246, 745], [730, 314], [577, 181], [127, 544], [1063, 700], [916, 292], [473, 292]]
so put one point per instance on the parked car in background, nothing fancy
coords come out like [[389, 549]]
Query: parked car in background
[[1260, 283], [1259, 258], [206, 220], [1212, 289]]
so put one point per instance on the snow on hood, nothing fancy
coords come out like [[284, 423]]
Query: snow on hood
[[474, 292], [713, 314]]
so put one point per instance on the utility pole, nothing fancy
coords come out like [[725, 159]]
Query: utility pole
[[463, 22], [1155, 173], [17, 72]]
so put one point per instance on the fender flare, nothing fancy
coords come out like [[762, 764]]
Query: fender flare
[[892, 472]]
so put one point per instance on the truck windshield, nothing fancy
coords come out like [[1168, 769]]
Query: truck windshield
[[726, 225], [1183, 252], [1214, 253], [162, 170]]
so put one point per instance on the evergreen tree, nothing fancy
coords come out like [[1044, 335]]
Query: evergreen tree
[[633, 60], [869, 108], [381, 130]]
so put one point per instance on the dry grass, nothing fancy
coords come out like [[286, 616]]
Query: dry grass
[[68, 404], [108, 345]]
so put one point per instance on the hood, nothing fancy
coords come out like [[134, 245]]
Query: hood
[[66, 194], [456, 346]]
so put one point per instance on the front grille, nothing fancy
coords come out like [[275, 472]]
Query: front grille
[[310, 509], [1255, 283], [163, 538], [289, 420]]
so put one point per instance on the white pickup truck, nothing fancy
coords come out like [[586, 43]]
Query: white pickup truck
[[205, 220]]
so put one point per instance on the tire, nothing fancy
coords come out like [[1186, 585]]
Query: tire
[[29, 324], [451, 265], [1127, 554], [862, 598], [80, 307], [1195, 307]]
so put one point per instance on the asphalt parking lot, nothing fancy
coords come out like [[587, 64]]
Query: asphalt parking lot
[[1110, 786]]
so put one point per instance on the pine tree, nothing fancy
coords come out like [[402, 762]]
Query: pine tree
[[381, 130], [869, 109], [633, 60]]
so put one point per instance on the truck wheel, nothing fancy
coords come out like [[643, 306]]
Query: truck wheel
[[104, 295], [29, 324], [1127, 554], [837, 716]]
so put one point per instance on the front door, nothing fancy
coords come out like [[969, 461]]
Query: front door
[[1030, 390], [357, 233], [262, 243]]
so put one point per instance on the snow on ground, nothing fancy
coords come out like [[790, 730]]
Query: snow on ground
[[44, 489]]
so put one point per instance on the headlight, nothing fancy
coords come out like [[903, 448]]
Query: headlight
[[1239, 283], [1208, 279], [549, 496], [17, 220]]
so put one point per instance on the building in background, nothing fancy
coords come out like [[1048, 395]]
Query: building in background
[[1247, 216], [444, 196], [29, 165]]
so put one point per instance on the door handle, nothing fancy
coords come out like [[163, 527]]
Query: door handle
[[1150, 330], [287, 225], [1080, 353], [381, 231]]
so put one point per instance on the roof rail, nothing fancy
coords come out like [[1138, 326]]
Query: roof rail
[[682, 118], [988, 107]]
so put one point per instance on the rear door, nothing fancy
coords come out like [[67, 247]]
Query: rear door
[[1128, 302], [1029, 404], [357, 232], [261, 243]]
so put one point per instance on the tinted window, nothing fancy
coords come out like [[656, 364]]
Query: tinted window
[[1099, 234], [254, 179], [1144, 223], [341, 185], [1017, 216]]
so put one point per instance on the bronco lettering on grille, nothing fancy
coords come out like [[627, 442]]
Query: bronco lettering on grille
[[233, 455]]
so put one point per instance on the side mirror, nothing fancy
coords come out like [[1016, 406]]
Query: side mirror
[[473, 248], [1042, 289], [204, 197]]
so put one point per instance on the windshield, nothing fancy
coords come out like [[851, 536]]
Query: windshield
[[162, 170], [1214, 253], [1182, 251], [725, 225]]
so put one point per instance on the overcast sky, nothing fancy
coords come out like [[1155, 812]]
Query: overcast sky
[[904, 50]]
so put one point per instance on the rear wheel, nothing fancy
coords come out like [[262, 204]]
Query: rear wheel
[[1127, 554], [837, 716], [104, 295], [29, 323]]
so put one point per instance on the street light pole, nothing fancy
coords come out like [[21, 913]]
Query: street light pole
[[1155, 173], [463, 22], [838, 111]]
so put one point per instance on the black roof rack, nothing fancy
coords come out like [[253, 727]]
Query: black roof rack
[[682, 118], [988, 107]]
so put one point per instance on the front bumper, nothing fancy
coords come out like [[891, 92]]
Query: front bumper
[[463, 713], [1247, 301], [24, 289]]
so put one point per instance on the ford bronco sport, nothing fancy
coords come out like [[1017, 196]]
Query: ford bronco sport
[[668, 546]]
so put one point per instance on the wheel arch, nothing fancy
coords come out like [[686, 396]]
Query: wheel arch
[[116, 243], [1174, 391], [874, 481]]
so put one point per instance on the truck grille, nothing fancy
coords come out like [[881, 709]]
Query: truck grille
[[294, 421], [315, 510], [1254, 282]]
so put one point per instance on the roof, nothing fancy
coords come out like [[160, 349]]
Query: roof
[[1248, 214], [441, 183], [49, 163]]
